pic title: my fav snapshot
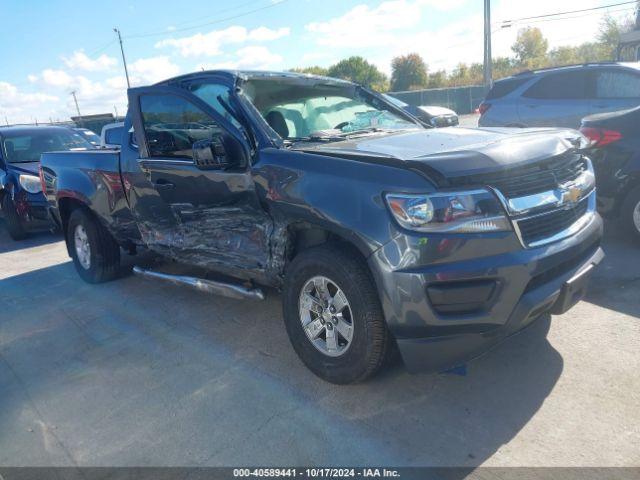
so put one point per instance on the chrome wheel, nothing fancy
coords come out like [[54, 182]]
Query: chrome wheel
[[636, 216], [326, 316], [83, 249]]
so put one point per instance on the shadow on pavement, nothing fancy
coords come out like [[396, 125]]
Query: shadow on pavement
[[616, 282], [134, 372], [35, 239]]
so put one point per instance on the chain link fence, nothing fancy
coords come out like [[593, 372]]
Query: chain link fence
[[462, 100]]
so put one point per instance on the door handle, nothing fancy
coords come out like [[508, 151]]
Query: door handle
[[163, 185]]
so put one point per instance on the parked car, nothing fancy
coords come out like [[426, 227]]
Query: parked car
[[90, 135], [561, 96], [430, 115], [111, 135], [376, 229], [23, 204], [616, 156]]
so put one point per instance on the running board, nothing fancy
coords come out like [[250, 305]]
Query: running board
[[230, 290]]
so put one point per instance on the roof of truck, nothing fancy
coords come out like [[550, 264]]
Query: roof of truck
[[255, 74], [32, 128]]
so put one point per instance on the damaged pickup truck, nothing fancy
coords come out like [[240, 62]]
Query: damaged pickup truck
[[377, 230]]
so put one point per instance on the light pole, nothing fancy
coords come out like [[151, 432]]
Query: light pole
[[77, 108], [124, 60], [487, 45]]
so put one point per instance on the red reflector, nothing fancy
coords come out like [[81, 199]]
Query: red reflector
[[484, 107], [600, 137]]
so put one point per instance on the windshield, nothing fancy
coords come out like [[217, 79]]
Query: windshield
[[21, 147], [93, 138], [396, 101], [297, 109]]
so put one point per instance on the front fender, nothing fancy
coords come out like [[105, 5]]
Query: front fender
[[342, 196]]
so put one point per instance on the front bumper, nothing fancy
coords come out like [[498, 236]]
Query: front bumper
[[33, 210], [413, 272]]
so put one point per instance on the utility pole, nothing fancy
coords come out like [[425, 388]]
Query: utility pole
[[124, 60], [77, 108], [116, 110], [487, 45]]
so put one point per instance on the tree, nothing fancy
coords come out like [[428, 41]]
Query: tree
[[358, 70], [609, 34], [315, 70], [503, 67], [437, 79], [408, 72], [530, 48]]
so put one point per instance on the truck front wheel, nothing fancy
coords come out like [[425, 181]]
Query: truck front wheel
[[333, 315], [95, 253]]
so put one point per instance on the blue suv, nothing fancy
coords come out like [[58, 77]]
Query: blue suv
[[23, 203], [561, 96]]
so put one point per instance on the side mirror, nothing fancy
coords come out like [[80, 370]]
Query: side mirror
[[218, 153]]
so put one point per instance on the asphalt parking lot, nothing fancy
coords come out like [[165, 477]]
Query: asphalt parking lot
[[135, 373]]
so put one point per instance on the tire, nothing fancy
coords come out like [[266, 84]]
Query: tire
[[101, 262], [631, 207], [370, 339], [12, 219]]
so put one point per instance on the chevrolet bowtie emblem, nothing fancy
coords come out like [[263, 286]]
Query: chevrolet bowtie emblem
[[571, 194]]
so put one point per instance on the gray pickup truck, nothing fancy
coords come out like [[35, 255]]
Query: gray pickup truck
[[378, 231]]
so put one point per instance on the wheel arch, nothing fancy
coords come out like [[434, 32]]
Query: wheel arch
[[302, 235]]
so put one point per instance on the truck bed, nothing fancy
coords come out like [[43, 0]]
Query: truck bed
[[93, 178]]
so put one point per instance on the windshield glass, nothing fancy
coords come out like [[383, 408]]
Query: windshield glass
[[93, 138], [20, 147], [298, 109]]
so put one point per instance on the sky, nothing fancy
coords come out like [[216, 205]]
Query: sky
[[50, 48]]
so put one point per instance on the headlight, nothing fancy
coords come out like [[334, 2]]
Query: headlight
[[464, 212], [30, 183]]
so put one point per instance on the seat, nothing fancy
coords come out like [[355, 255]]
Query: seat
[[276, 121]]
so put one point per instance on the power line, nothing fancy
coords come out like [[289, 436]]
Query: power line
[[221, 20], [568, 12], [224, 10], [543, 20]]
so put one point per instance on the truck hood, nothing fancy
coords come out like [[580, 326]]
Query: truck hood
[[453, 152]]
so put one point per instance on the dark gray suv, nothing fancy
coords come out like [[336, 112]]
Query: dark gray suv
[[561, 96]]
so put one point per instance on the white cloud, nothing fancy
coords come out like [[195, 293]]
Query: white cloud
[[153, 69], [254, 57], [210, 44], [15, 103], [97, 94], [366, 26], [264, 34], [57, 78], [80, 61]]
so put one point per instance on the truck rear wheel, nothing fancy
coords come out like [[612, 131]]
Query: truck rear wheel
[[95, 253], [12, 219], [333, 315]]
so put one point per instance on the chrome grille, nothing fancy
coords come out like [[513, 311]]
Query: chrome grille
[[521, 181], [539, 227], [547, 201]]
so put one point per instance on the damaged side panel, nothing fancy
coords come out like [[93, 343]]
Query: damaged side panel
[[340, 196], [210, 219]]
